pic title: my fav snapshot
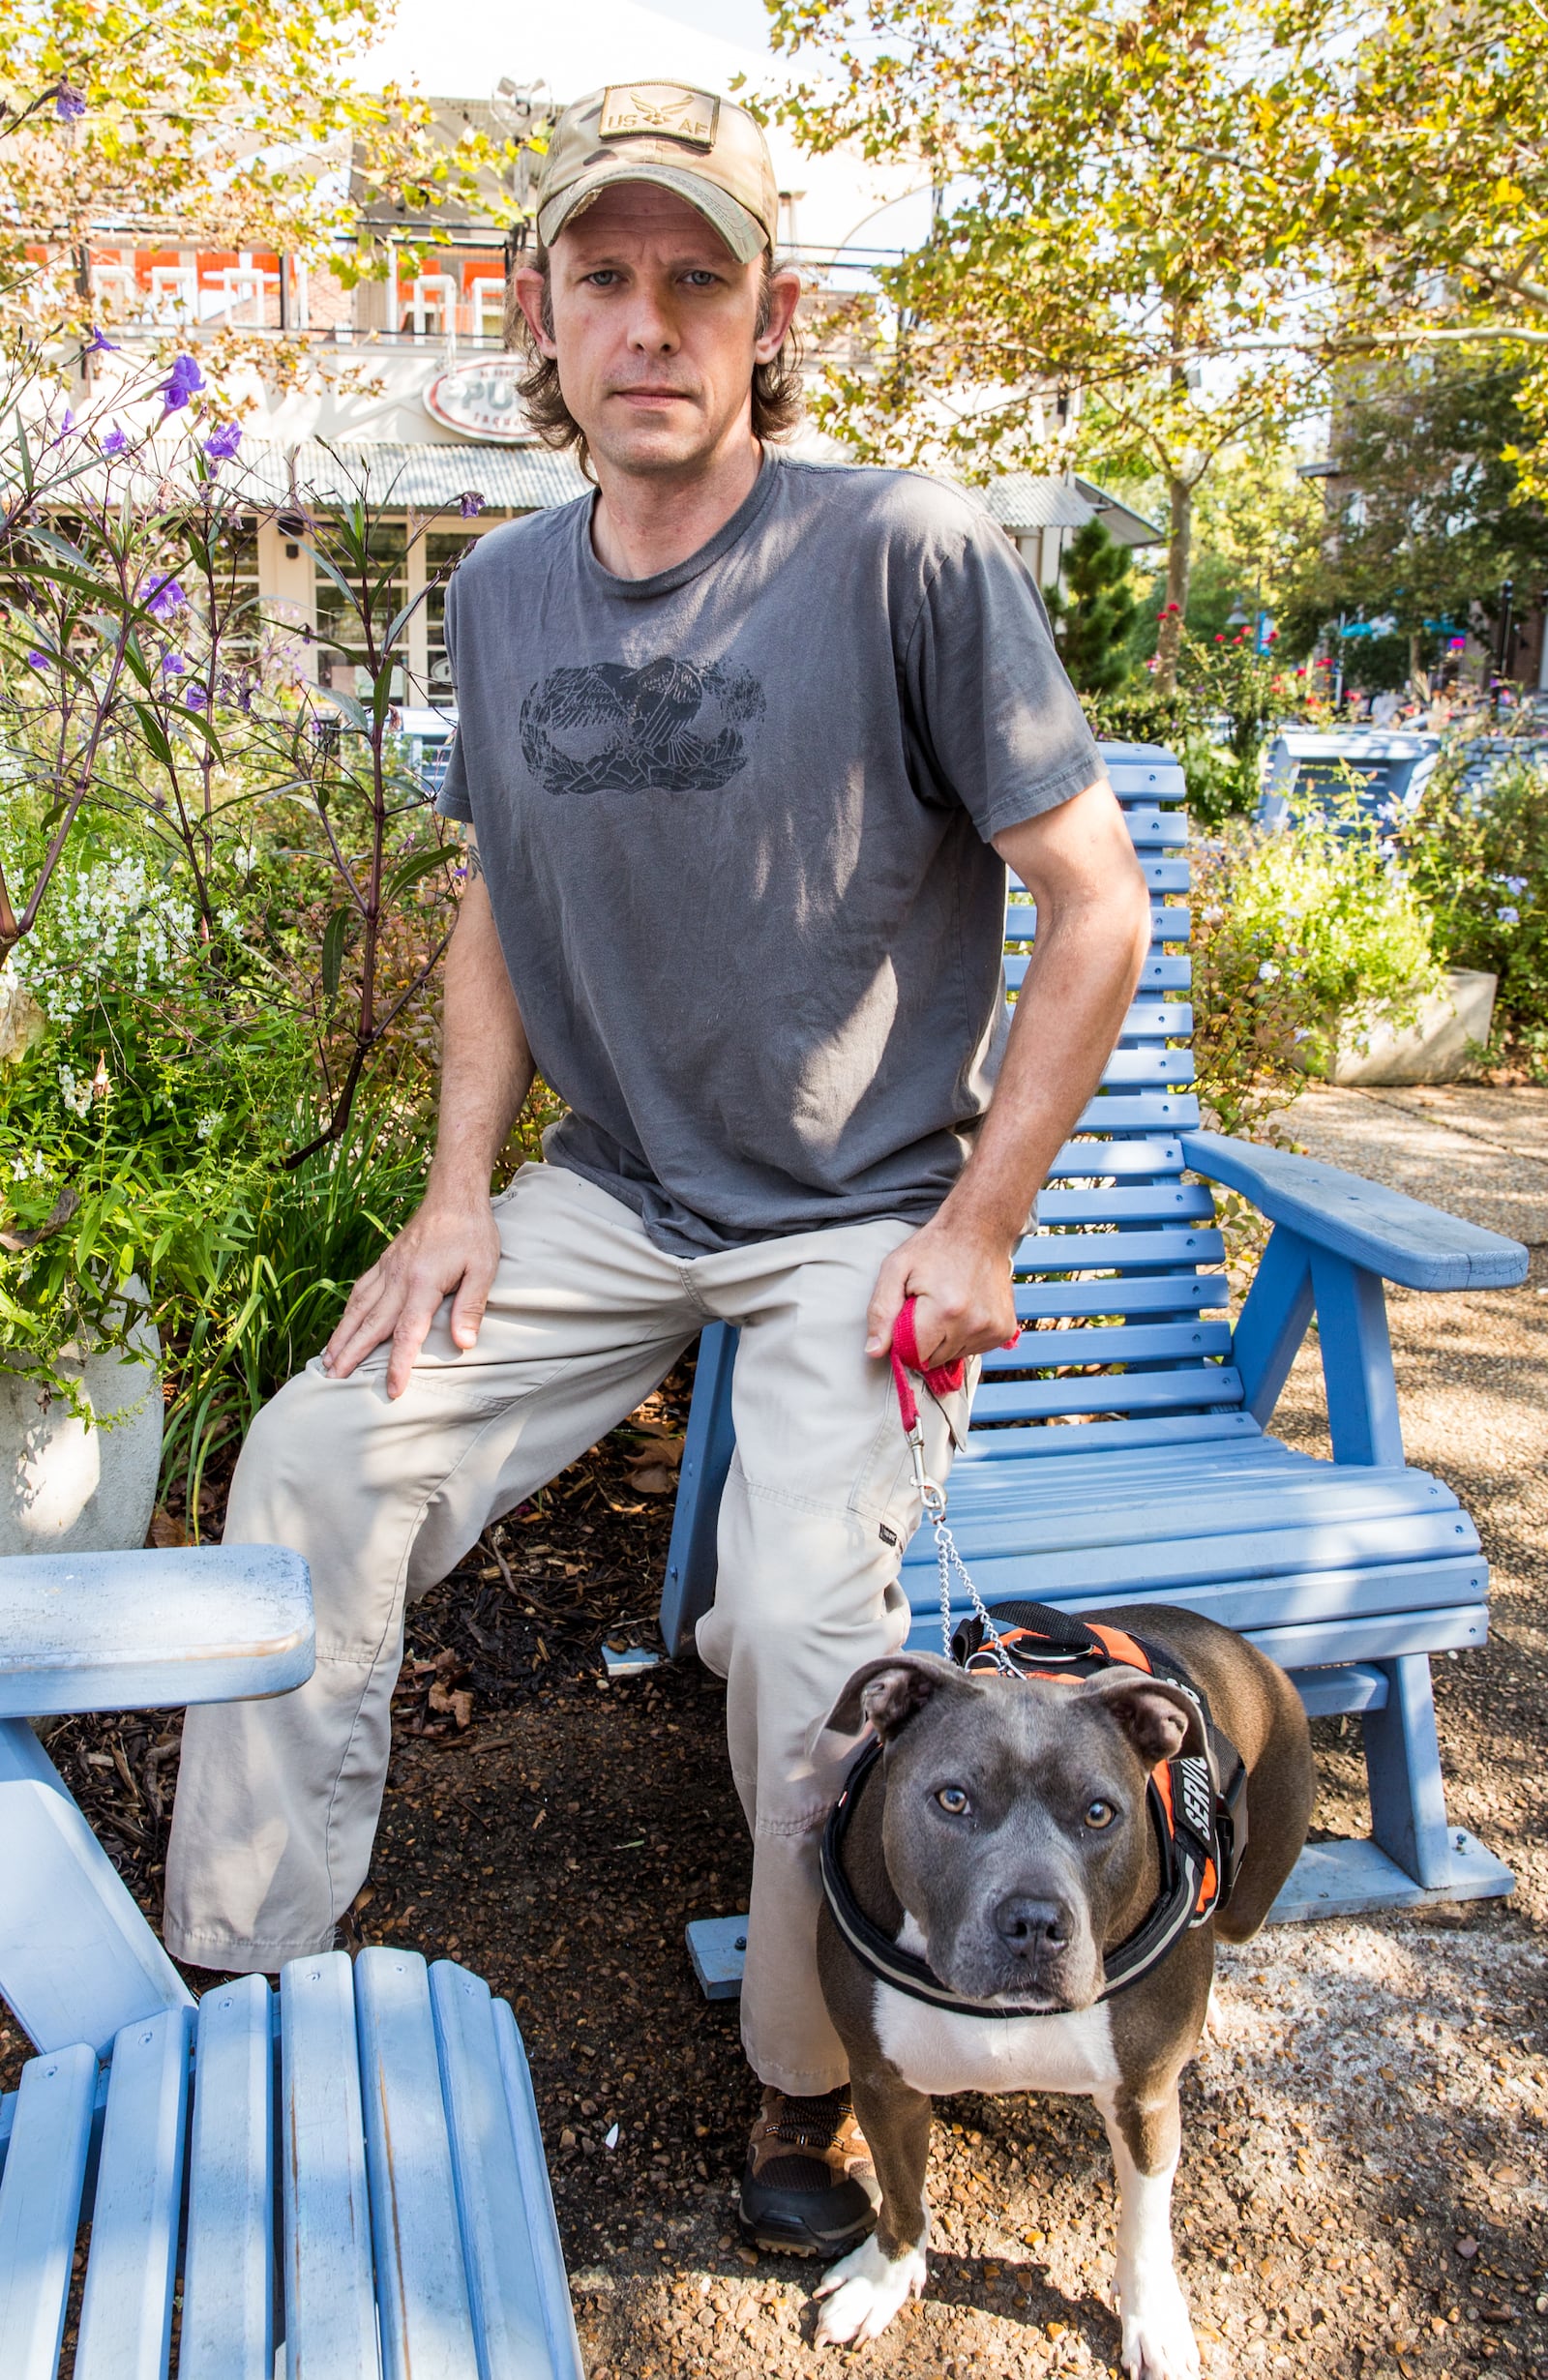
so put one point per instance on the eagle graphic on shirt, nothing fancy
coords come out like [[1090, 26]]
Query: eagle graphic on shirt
[[669, 726]]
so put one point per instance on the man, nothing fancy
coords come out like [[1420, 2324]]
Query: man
[[744, 745]]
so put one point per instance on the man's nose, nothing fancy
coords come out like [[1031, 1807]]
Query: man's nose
[[652, 326], [1029, 1928]]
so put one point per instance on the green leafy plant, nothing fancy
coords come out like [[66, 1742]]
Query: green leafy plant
[[1303, 937], [1477, 849]]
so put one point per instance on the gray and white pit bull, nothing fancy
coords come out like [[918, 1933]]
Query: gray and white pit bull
[[1003, 1837]]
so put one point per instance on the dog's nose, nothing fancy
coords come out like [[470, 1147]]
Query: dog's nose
[[1027, 1926]]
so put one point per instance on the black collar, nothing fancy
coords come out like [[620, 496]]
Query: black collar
[[1171, 1916]]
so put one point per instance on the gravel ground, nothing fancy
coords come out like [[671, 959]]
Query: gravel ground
[[1363, 2184]]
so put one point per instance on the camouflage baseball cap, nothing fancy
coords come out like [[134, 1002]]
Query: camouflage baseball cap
[[707, 149]]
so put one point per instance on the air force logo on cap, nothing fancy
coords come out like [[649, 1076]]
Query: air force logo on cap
[[669, 110]]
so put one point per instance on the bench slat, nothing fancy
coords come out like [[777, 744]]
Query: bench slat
[[504, 2283], [1316, 1644], [1198, 1500], [1116, 1252], [1180, 1291], [1100, 1160], [536, 2196], [126, 2310], [1160, 1201], [228, 2328], [1150, 1466], [1331, 1564], [1139, 1112], [1093, 1439], [39, 2201], [426, 2321], [1105, 1393], [330, 2306], [1111, 1342]]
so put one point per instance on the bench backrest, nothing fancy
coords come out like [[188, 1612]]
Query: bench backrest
[[1118, 1291]]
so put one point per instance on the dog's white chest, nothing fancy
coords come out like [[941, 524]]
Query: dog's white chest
[[941, 2052]]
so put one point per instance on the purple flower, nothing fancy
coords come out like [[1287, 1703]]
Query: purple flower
[[469, 503], [68, 425], [1514, 883], [223, 444], [185, 380], [97, 345], [70, 105], [165, 598], [197, 697], [114, 443], [172, 665], [37, 661], [1509, 918]]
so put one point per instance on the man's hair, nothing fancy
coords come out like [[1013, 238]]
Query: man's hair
[[777, 395]]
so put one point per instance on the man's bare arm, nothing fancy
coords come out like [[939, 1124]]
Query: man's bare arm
[[1093, 927], [451, 1246]]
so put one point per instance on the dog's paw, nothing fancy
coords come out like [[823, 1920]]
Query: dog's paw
[[1158, 2342], [864, 2290]]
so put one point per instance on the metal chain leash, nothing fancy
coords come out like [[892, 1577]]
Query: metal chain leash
[[949, 1559]]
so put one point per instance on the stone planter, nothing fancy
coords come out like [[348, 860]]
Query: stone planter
[[1434, 1047], [70, 1486]]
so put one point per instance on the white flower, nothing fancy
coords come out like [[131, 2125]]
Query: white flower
[[208, 1123], [26, 1169], [76, 1094], [230, 921], [1268, 972]]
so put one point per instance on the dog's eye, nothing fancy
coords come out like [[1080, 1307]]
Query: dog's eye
[[953, 1800], [1100, 1814]]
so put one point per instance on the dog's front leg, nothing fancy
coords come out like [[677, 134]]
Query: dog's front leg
[[865, 2289], [1145, 2134]]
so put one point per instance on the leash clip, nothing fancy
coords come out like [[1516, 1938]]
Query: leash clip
[[932, 1498]]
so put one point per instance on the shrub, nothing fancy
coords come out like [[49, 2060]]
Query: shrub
[[1301, 937], [1477, 849]]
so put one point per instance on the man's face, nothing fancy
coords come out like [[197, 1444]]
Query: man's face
[[655, 328]]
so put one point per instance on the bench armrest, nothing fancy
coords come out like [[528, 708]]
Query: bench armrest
[[1383, 1231]]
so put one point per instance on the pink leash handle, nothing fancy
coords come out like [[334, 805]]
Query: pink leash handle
[[940, 1378]]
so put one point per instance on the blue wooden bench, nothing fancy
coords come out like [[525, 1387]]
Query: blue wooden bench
[[1120, 1452], [352, 2165]]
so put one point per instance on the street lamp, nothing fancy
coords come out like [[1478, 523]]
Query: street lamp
[[1236, 616]]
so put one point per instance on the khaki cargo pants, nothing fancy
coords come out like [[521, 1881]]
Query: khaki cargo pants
[[278, 1800]]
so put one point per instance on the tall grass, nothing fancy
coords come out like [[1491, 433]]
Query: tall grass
[[292, 1250]]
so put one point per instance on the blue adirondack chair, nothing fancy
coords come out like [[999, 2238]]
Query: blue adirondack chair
[[352, 2164], [1352, 1573]]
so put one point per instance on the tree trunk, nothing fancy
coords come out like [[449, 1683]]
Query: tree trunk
[[1179, 566]]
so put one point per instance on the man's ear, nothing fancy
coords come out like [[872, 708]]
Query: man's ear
[[1159, 1720], [885, 1694]]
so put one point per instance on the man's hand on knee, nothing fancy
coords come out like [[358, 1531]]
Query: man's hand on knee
[[446, 1250], [962, 1279]]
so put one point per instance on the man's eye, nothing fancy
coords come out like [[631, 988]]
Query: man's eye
[[603, 278], [953, 1800], [1100, 1814], [701, 279]]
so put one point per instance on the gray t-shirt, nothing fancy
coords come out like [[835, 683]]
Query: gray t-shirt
[[735, 820]]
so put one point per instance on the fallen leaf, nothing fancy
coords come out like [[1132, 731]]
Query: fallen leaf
[[166, 1530], [655, 1479]]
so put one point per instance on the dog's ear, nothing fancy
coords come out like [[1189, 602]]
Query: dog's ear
[[1159, 1719], [885, 1694]]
